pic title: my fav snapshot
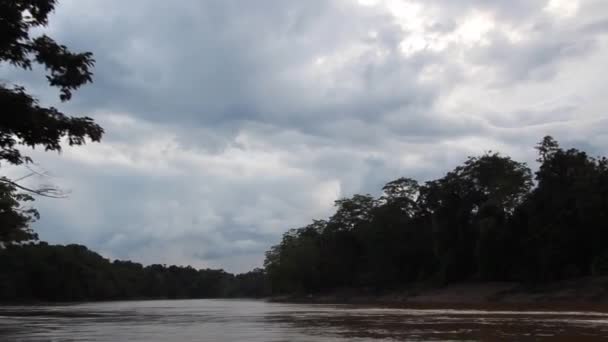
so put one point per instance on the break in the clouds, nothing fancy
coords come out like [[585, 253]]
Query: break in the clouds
[[229, 122]]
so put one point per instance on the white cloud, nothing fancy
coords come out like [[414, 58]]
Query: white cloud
[[562, 8]]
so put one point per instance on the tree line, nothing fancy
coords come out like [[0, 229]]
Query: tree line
[[490, 219], [43, 272]]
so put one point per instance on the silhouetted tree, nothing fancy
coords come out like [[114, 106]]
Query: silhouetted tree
[[24, 122], [565, 216]]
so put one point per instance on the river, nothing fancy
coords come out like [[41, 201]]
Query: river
[[253, 321]]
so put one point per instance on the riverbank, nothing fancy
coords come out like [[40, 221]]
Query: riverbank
[[579, 294]]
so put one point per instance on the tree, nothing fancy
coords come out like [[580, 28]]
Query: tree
[[24, 122], [471, 201], [293, 265], [403, 193], [566, 214], [351, 212], [546, 148], [15, 219]]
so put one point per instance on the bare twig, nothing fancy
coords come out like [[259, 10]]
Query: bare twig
[[44, 192], [24, 177]]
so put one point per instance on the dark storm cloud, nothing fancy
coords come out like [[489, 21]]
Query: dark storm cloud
[[211, 64]]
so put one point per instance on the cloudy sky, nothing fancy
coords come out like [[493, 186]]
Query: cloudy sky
[[229, 122]]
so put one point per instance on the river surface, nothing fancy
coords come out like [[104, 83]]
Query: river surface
[[253, 321]]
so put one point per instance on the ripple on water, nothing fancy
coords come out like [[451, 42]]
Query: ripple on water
[[222, 321]]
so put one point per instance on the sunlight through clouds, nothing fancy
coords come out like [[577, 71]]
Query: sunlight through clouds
[[418, 19], [563, 8]]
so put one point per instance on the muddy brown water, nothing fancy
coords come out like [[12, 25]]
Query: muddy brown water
[[253, 321]]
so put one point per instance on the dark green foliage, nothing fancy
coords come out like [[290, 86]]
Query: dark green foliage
[[43, 272], [485, 220], [67, 70], [600, 265], [23, 121], [15, 219], [565, 216]]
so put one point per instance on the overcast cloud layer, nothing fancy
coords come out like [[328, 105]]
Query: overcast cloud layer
[[229, 122]]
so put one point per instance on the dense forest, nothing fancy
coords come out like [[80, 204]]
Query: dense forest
[[44, 272], [490, 219]]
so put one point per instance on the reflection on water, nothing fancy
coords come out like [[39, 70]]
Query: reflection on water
[[237, 320]]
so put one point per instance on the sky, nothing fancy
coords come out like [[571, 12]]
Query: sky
[[230, 122]]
